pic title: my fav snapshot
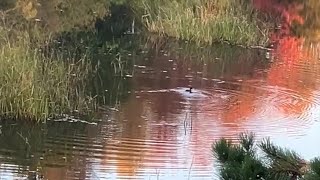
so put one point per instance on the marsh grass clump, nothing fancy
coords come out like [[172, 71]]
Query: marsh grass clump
[[35, 86], [233, 21], [249, 160]]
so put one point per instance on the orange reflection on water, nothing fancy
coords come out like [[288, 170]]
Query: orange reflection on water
[[55, 173], [288, 11], [286, 87]]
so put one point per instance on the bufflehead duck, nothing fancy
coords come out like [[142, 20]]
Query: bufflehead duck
[[189, 90]]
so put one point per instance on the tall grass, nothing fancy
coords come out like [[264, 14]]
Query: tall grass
[[36, 86], [234, 21]]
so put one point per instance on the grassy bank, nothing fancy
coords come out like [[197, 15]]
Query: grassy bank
[[35, 85], [207, 21], [53, 63]]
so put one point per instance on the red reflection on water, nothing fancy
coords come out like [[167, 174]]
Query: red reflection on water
[[288, 52], [227, 118], [288, 11]]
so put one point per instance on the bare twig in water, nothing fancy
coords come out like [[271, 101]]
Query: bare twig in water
[[191, 123], [190, 167], [185, 124], [158, 174], [25, 139]]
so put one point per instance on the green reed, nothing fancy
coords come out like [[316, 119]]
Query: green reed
[[35, 86], [207, 21]]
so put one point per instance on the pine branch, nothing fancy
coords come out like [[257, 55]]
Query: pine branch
[[315, 166], [313, 170], [247, 141], [221, 149], [282, 161]]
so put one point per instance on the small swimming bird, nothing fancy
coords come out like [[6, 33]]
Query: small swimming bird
[[189, 90]]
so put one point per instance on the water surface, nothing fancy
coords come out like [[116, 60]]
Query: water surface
[[161, 131]]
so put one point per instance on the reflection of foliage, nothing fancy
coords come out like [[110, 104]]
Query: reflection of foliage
[[216, 57], [301, 15], [311, 14], [241, 162], [109, 61], [34, 147]]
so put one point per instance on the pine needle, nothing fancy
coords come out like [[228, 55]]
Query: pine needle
[[282, 161]]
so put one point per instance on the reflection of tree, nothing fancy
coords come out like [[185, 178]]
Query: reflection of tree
[[286, 10], [301, 17], [289, 52], [43, 150], [127, 149], [290, 72]]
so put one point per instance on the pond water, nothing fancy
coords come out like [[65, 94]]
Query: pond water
[[161, 131]]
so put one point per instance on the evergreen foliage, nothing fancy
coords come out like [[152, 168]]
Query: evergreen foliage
[[244, 160]]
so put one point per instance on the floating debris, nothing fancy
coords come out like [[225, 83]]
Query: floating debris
[[268, 55], [72, 120], [113, 109]]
